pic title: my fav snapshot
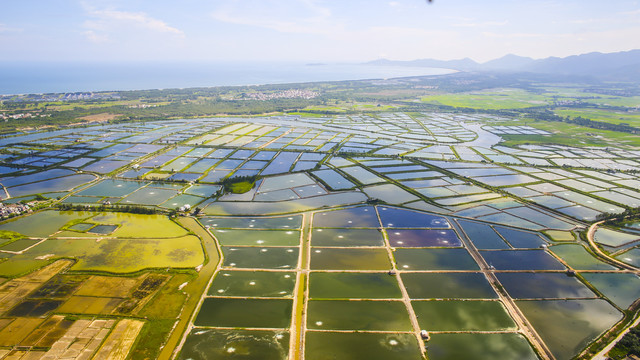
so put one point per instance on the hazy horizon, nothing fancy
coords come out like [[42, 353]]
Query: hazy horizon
[[59, 77], [274, 62], [313, 30]]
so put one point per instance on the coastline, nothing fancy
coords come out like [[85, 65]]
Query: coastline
[[46, 78]]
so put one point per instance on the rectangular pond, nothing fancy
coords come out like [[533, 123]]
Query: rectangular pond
[[462, 315], [357, 315], [361, 345], [258, 237], [346, 237], [448, 286], [249, 313], [260, 257], [423, 238], [253, 284], [343, 285], [349, 259], [220, 344], [434, 259], [478, 346]]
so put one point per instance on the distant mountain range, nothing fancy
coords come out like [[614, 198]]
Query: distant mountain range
[[620, 66]]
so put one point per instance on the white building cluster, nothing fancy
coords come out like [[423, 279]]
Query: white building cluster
[[7, 210]]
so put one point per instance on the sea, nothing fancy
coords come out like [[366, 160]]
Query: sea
[[56, 77]]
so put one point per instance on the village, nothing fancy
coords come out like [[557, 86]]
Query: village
[[10, 210]]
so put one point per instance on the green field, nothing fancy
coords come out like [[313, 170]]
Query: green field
[[570, 135], [608, 116], [492, 99]]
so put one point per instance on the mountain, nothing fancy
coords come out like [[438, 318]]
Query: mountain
[[619, 66], [598, 64], [508, 62]]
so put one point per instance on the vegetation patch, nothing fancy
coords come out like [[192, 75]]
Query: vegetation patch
[[7, 236], [629, 345], [239, 184]]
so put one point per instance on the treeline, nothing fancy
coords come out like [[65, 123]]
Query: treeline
[[59, 117], [426, 107], [617, 219], [131, 209], [629, 90], [548, 115], [626, 128], [209, 92], [200, 108], [628, 345], [210, 107], [535, 113]]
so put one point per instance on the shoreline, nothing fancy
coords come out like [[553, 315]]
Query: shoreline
[[22, 80]]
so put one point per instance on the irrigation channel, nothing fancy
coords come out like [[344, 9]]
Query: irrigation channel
[[301, 298]]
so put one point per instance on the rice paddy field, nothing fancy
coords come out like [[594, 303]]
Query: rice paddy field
[[387, 236]]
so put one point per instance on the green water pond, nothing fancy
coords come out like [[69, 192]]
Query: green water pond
[[448, 286], [579, 258], [476, 346], [286, 222], [622, 289], [462, 315], [258, 237], [219, 344], [358, 315], [567, 326], [544, 286], [337, 285], [349, 259], [357, 346], [43, 223], [253, 283], [260, 257], [249, 313]]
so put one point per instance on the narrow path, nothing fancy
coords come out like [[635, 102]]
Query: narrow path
[[197, 289], [405, 295], [523, 323], [300, 293], [276, 139], [596, 249], [602, 355], [6, 192]]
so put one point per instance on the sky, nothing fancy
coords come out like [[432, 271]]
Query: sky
[[312, 30]]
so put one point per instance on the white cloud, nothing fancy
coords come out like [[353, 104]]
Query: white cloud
[[134, 18], [96, 38], [513, 35], [7, 29], [632, 12], [396, 43], [299, 17], [104, 23]]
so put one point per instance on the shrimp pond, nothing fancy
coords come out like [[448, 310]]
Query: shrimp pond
[[387, 236]]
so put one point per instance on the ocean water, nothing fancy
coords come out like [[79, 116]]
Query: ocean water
[[48, 77]]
